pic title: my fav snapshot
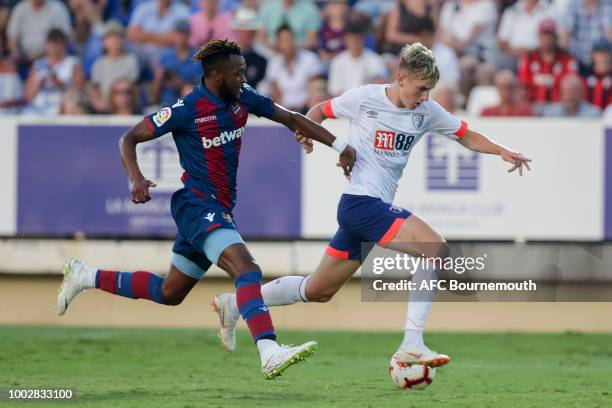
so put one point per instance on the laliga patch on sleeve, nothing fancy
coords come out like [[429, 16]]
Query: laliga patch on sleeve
[[162, 116]]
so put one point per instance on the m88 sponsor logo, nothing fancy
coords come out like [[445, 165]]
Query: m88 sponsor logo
[[389, 141]]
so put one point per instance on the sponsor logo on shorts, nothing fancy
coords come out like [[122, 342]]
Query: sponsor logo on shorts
[[210, 217], [395, 209], [162, 116], [392, 144], [223, 138]]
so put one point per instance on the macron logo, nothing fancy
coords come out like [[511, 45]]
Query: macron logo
[[223, 138], [206, 119]]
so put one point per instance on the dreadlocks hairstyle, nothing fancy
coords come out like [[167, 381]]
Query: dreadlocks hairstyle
[[214, 51], [419, 60]]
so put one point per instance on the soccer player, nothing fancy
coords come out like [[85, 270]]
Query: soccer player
[[207, 126], [386, 121]]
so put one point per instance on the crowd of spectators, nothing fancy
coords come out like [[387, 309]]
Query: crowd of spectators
[[548, 58]]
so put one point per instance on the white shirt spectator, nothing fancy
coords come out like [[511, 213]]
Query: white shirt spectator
[[459, 19], [293, 82], [346, 72], [47, 100], [447, 61], [146, 16], [519, 27], [29, 26]]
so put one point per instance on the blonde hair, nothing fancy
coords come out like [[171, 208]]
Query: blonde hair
[[420, 61]]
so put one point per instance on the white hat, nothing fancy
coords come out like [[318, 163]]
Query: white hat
[[246, 19]]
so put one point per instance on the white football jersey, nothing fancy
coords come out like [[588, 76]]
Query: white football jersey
[[383, 136]]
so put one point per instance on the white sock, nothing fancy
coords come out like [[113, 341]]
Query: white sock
[[264, 345], [285, 291], [282, 291], [88, 277], [419, 306]]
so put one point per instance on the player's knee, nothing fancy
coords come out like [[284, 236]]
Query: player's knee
[[437, 250], [321, 296], [173, 297]]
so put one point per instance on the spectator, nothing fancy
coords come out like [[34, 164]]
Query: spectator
[[290, 71], [409, 21], [11, 87], [571, 103], [115, 64], [176, 69], [86, 14], [518, 30], [150, 25], [245, 25], [29, 24], [356, 65], [448, 63], [509, 105], [123, 98], [74, 102], [302, 16], [208, 23], [542, 70], [598, 77], [587, 21], [317, 92], [5, 9], [448, 96], [331, 35], [468, 27], [51, 76]]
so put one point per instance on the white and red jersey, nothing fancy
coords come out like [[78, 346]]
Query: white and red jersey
[[383, 136]]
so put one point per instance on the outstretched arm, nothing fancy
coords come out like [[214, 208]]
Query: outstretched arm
[[310, 128], [480, 143], [127, 148]]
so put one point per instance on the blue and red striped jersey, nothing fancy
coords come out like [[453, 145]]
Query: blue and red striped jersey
[[208, 134]]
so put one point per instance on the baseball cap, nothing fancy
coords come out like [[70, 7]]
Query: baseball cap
[[548, 26], [602, 45], [113, 27], [246, 19]]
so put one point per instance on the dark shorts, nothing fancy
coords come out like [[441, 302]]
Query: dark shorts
[[367, 220], [195, 218]]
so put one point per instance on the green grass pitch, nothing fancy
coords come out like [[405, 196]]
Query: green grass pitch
[[188, 369]]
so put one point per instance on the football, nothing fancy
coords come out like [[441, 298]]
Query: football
[[411, 377]]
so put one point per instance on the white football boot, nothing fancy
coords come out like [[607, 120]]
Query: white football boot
[[228, 318], [275, 360], [77, 278], [421, 355]]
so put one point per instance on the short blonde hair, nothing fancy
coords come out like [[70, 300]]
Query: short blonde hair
[[419, 60]]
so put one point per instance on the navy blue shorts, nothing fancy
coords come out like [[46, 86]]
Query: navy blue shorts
[[364, 219], [195, 218]]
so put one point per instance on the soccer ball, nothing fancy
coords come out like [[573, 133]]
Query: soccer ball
[[412, 377]]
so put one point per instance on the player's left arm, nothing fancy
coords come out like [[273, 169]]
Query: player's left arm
[[300, 124], [482, 144]]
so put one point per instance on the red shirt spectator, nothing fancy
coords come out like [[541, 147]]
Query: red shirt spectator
[[598, 79], [541, 70]]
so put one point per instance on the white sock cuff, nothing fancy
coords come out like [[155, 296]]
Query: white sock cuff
[[302, 289]]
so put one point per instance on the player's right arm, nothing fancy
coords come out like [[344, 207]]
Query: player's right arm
[[140, 133]]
